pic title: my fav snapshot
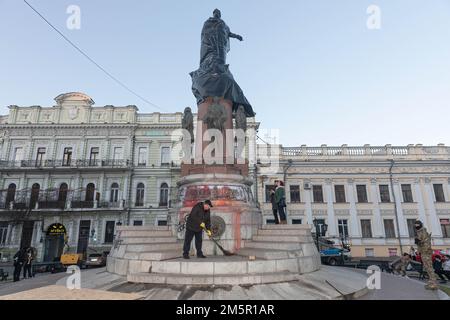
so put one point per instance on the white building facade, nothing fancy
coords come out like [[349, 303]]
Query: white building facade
[[84, 169], [368, 196]]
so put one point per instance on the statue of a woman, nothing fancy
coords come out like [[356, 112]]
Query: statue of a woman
[[213, 78]]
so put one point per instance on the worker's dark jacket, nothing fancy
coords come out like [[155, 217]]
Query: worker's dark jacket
[[197, 216]]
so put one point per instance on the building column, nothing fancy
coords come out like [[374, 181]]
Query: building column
[[420, 203], [353, 227], [332, 227], [377, 222], [430, 207], [308, 207], [401, 219]]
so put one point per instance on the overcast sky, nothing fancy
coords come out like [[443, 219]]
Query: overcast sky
[[312, 69]]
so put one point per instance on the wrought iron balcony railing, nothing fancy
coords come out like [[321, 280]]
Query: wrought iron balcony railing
[[89, 163]]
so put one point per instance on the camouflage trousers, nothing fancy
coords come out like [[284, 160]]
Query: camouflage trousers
[[427, 263]]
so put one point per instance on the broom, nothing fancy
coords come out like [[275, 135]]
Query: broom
[[225, 252]]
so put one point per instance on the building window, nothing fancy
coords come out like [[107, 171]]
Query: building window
[[10, 194], [67, 157], [18, 154], [162, 222], [93, 158], [3, 233], [317, 193], [137, 223], [389, 228], [370, 252], [384, 193], [114, 196], [294, 193], [270, 221], [296, 221], [62, 193], [109, 231], [34, 195], [90, 190], [343, 228], [165, 155], [366, 228], [439, 192], [40, 157], [118, 154], [140, 195], [339, 192], [142, 157], [392, 252], [163, 195], [361, 192], [407, 193], [411, 229], [445, 226], [268, 188]]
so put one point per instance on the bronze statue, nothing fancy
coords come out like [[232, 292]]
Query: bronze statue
[[187, 122], [216, 116], [213, 78]]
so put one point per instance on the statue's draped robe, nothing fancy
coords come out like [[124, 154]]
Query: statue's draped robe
[[213, 78]]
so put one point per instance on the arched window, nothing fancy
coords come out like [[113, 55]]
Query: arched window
[[140, 189], [114, 196], [62, 193], [163, 195], [34, 194], [90, 189], [10, 194]]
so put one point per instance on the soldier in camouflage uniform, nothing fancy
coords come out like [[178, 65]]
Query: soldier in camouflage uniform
[[423, 241]]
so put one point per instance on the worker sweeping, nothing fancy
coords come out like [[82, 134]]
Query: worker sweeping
[[198, 219]]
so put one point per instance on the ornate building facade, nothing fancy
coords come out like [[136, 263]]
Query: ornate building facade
[[367, 196], [85, 170]]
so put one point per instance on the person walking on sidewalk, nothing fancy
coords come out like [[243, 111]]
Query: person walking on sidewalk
[[18, 263], [423, 241], [280, 199], [28, 263], [199, 216], [274, 206]]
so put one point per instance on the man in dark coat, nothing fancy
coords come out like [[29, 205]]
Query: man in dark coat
[[198, 219], [18, 263]]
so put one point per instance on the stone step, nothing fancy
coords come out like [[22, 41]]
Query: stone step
[[286, 227], [152, 247], [180, 279], [224, 266], [282, 238], [273, 245], [160, 255], [149, 233], [286, 232], [143, 240], [266, 254], [143, 228]]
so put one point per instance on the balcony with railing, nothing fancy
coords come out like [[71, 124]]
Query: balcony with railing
[[56, 199], [72, 164], [366, 152]]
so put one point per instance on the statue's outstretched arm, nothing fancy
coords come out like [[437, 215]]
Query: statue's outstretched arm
[[236, 36]]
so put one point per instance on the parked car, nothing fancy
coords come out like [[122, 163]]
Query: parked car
[[96, 259], [335, 256]]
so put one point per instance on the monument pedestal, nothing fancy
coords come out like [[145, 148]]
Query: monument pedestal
[[234, 217]]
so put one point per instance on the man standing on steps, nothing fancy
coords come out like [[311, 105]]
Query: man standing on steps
[[423, 241], [199, 216]]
